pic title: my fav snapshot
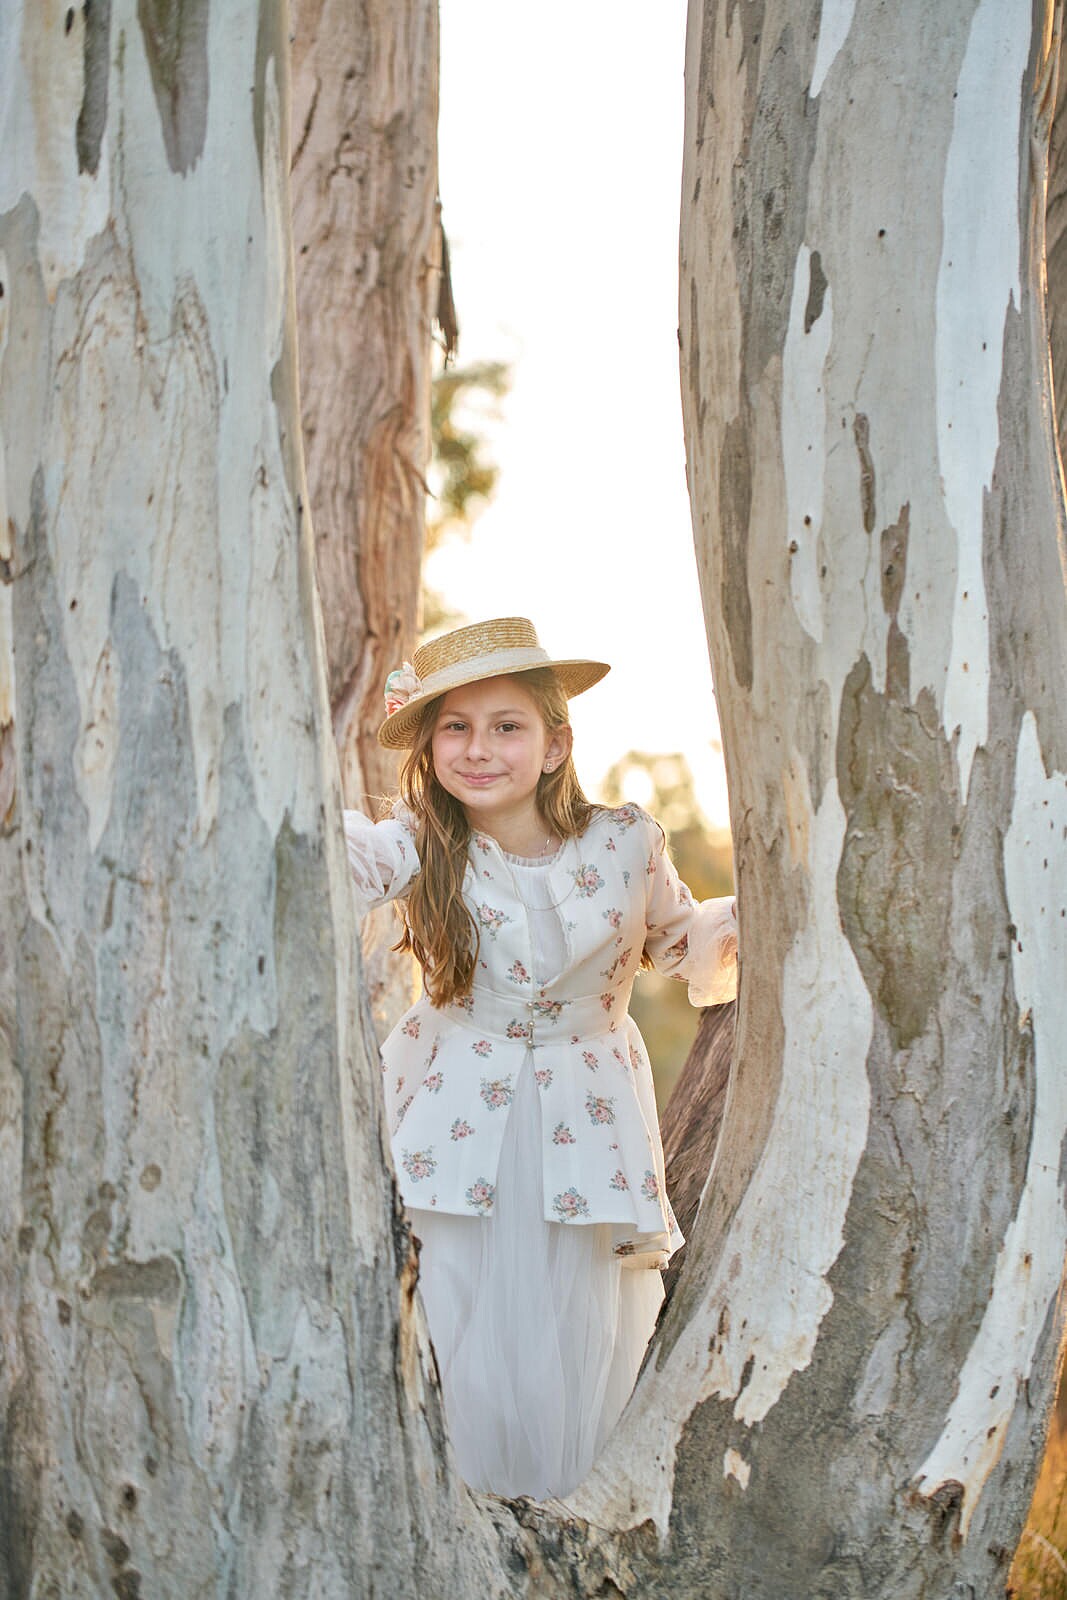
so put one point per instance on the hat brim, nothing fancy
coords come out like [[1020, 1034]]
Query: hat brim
[[398, 731]]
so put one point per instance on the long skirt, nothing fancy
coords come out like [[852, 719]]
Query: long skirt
[[539, 1330]]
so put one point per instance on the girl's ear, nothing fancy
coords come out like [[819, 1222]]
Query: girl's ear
[[559, 747]]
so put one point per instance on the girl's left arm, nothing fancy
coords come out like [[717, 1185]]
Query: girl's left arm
[[694, 940]]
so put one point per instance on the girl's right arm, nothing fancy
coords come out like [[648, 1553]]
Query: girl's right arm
[[382, 855]]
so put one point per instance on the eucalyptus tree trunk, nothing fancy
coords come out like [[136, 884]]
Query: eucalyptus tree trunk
[[214, 1378], [692, 1121], [367, 244], [1039, 1571], [879, 526], [1056, 250], [213, 1371]]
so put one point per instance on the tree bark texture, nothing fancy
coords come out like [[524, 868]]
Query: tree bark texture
[[880, 534], [692, 1121], [367, 246], [1056, 250], [1038, 1568], [367, 243], [214, 1378]]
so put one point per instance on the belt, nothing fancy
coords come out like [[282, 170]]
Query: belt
[[541, 1020]]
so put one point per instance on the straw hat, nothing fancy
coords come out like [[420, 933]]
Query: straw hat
[[484, 650]]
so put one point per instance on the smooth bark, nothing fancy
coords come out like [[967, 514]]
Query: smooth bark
[[879, 528], [213, 1373]]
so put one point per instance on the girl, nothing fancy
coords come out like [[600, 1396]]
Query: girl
[[518, 1091]]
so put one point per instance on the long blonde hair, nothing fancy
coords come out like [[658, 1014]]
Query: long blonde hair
[[438, 928]]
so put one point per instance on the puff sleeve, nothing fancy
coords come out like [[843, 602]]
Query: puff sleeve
[[695, 941], [381, 855]]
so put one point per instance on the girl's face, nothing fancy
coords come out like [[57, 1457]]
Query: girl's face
[[490, 747]]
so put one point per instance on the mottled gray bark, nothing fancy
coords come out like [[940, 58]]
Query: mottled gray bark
[[870, 462], [213, 1374]]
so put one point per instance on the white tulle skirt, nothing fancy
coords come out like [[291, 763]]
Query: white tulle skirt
[[539, 1331]]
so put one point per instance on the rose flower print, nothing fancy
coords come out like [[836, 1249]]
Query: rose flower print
[[496, 1092], [587, 880], [419, 1164], [600, 1109], [569, 1205], [480, 1197]]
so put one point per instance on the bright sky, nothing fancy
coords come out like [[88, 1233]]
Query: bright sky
[[560, 167]]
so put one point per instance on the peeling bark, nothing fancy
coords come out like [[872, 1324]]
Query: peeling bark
[[210, 1357], [1056, 247], [692, 1121], [1038, 1561], [367, 247], [881, 1244], [367, 242]]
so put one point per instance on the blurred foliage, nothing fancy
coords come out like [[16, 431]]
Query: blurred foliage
[[464, 403], [462, 474], [663, 784]]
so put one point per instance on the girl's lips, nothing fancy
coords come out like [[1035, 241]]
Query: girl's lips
[[478, 778]]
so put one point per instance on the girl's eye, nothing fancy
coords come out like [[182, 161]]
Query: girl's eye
[[509, 727]]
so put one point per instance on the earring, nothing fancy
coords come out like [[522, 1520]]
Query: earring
[[549, 765]]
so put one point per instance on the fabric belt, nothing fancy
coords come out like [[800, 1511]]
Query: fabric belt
[[540, 1020]]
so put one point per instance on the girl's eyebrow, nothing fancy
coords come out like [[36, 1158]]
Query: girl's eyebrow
[[462, 715]]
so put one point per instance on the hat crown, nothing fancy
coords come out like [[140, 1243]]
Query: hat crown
[[473, 644]]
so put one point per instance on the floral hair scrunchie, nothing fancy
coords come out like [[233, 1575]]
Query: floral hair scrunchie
[[400, 685]]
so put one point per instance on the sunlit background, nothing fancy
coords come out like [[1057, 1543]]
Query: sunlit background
[[560, 165], [560, 170]]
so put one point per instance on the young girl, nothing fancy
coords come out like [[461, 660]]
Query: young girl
[[518, 1091]]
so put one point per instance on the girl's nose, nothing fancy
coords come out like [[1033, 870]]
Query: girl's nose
[[477, 746]]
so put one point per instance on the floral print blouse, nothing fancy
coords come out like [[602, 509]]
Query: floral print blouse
[[450, 1072]]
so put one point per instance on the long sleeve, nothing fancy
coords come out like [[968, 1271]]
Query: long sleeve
[[687, 939], [382, 856]]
